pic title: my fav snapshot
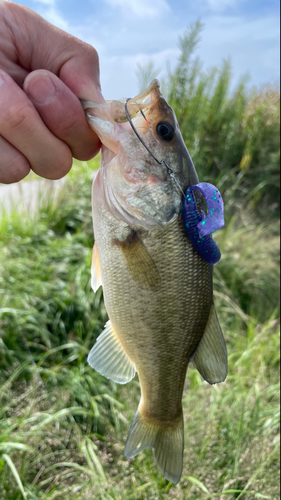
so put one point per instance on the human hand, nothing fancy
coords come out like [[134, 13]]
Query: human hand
[[43, 73]]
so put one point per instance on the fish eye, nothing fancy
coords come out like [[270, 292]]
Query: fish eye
[[165, 131]]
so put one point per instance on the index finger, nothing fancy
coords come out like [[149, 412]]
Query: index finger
[[40, 45]]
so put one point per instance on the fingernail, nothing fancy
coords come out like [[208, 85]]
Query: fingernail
[[41, 89], [100, 96]]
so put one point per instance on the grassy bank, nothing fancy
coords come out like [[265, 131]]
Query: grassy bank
[[63, 426]]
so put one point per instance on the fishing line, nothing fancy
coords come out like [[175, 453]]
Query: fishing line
[[160, 162]]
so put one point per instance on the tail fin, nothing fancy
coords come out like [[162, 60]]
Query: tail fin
[[166, 441]]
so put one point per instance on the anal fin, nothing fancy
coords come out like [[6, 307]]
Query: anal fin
[[95, 271], [210, 357], [109, 358]]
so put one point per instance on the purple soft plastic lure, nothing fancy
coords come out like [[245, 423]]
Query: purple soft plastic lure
[[199, 228]]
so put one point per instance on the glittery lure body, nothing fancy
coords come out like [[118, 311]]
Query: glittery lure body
[[199, 228]]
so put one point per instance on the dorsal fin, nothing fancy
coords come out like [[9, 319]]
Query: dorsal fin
[[95, 271], [210, 357], [109, 358]]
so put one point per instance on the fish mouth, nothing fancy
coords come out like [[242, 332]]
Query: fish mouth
[[147, 97], [135, 104], [110, 120], [137, 185], [154, 86]]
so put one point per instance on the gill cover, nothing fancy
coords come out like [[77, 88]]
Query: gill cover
[[199, 228]]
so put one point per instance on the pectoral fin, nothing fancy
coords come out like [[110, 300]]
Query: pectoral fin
[[109, 358], [141, 265], [95, 271], [210, 358]]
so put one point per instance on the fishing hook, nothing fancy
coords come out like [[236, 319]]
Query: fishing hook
[[160, 162]]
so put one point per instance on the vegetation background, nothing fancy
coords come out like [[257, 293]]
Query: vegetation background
[[62, 425]]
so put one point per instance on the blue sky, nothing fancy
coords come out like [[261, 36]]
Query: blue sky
[[126, 32]]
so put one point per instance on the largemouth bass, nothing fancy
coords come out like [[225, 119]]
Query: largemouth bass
[[157, 289]]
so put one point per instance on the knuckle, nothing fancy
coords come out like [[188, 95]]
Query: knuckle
[[67, 123], [88, 152], [17, 117], [94, 54], [93, 57], [66, 163], [63, 165], [13, 168], [90, 50]]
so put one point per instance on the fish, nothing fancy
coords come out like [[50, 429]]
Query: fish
[[158, 290]]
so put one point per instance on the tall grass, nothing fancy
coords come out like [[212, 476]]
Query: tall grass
[[232, 135], [62, 425]]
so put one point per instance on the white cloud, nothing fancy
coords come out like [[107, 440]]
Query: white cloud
[[142, 8], [118, 74], [49, 10], [53, 16], [221, 5], [47, 2], [123, 37], [252, 45]]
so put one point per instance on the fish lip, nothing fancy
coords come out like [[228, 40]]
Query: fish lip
[[137, 104], [142, 95], [155, 84]]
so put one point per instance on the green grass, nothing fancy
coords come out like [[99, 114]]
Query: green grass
[[232, 134], [63, 426]]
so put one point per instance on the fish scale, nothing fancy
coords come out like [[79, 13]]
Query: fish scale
[[188, 286]]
